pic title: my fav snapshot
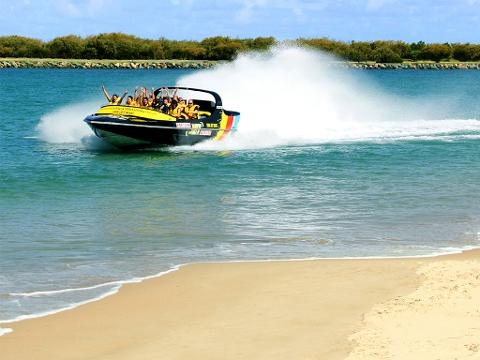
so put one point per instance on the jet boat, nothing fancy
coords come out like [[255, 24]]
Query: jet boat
[[135, 127]]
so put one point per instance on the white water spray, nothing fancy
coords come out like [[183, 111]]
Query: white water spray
[[65, 125], [291, 95]]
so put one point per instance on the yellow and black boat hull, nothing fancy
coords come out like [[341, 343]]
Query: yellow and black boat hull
[[136, 132], [131, 127]]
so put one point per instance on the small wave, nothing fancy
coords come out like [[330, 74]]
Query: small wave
[[63, 291], [4, 331], [116, 287], [55, 311], [93, 287]]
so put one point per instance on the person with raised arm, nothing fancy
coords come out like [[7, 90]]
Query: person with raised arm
[[130, 101], [114, 99], [157, 98], [151, 98], [165, 106], [135, 97], [174, 105], [145, 103]]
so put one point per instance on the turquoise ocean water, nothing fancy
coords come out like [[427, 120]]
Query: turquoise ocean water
[[318, 172]]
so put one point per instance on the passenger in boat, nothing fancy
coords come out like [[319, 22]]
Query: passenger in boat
[[191, 110], [157, 99], [175, 97], [157, 103], [173, 107], [183, 106], [140, 95], [145, 102], [152, 98], [130, 101], [114, 99], [136, 100], [177, 109], [165, 107]]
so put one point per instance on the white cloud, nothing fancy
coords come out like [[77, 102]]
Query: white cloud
[[187, 4], [82, 8], [373, 5], [247, 11], [249, 8]]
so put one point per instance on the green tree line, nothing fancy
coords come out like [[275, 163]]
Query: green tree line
[[128, 47], [395, 51]]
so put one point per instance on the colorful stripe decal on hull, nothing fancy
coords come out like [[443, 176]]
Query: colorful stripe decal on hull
[[228, 124]]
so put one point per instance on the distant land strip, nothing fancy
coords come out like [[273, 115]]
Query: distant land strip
[[104, 64], [128, 47], [204, 64]]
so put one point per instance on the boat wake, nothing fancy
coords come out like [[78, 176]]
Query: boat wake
[[65, 124], [294, 96], [291, 96]]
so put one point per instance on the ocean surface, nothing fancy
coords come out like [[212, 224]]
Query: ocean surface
[[326, 163]]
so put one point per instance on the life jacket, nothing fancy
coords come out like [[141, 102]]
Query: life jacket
[[177, 112], [190, 111], [116, 102], [172, 107]]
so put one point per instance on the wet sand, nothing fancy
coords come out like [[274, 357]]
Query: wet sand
[[313, 309]]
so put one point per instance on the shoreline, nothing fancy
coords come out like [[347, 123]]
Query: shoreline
[[171, 315], [139, 280], [33, 63]]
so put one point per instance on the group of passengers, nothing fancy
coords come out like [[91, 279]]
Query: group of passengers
[[159, 100]]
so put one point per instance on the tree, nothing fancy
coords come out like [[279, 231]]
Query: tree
[[222, 48], [260, 43], [66, 47], [466, 52], [436, 52], [384, 54], [360, 51], [188, 50], [19, 46]]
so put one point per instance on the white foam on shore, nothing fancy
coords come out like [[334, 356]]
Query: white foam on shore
[[64, 291], [112, 291], [69, 307], [4, 331], [443, 252]]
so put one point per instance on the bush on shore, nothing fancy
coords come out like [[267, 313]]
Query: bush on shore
[[118, 46]]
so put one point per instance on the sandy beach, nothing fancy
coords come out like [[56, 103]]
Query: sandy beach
[[417, 308]]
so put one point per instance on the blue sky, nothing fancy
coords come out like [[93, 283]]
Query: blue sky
[[408, 20]]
